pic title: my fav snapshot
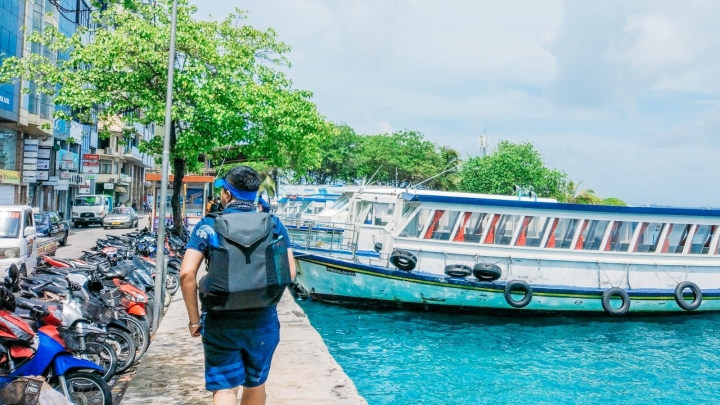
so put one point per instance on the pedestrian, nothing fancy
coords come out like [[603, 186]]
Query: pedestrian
[[239, 326], [134, 205]]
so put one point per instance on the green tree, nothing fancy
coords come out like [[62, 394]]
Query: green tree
[[613, 201], [406, 158], [341, 158], [228, 89], [512, 164]]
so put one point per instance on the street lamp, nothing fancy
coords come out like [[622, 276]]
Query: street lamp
[[160, 258]]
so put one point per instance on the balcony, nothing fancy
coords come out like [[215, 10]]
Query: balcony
[[133, 155]]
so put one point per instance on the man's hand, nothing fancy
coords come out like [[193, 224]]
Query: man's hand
[[194, 330]]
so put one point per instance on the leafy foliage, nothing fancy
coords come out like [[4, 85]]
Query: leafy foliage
[[512, 164], [400, 158], [227, 86]]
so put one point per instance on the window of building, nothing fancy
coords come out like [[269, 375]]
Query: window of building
[[441, 225], [106, 167], [470, 228], [532, 231], [562, 233], [649, 237], [700, 243], [676, 238], [8, 143], [591, 235], [414, 228], [620, 236]]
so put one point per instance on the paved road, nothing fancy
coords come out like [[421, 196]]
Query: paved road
[[83, 239]]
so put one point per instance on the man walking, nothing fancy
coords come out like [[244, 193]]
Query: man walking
[[238, 343]]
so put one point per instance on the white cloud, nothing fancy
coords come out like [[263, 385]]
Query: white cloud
[[621, 94]]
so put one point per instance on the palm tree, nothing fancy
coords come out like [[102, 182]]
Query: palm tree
[[577, 196]]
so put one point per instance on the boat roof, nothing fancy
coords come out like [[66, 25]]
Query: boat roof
[[403, 191], [515, 203]]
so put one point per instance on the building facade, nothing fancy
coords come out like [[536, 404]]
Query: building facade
[[47, 168]]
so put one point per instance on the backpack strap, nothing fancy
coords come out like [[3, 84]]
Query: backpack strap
[[214, 214]]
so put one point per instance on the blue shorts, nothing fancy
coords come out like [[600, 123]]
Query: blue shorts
[[237, 354]]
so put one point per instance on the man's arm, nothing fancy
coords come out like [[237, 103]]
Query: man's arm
[[291, 258], [188, 284]]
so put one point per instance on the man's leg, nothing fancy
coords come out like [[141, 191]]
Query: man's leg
[[226, 397], [253, 396]]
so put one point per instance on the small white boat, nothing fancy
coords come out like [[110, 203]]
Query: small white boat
[[471, 252]]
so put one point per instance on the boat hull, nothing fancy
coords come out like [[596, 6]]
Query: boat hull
[[345, 282]]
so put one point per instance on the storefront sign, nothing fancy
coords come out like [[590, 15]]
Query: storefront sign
[[29, 154], [44, 153], [52, 181], [9, 177], [42, 175], [65, 175], [90, 177], [43, 164], [109, 186], [91, 164], [46, 141], [31, 142], [63, 185]]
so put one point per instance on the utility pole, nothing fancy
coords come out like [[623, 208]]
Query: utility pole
[[160, 258]]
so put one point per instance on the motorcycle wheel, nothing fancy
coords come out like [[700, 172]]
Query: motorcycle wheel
[[103, 355], [141, 337], [85, 388], [172, 283], [124, 347]]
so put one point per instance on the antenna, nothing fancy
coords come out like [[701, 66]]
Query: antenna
[[484, 140]]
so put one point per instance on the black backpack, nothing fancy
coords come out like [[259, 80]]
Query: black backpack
[[250, 266]]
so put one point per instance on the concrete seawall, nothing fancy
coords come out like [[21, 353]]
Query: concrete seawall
[[303, 371]]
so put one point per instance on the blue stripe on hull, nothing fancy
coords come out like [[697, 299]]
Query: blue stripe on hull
[[331, 279]]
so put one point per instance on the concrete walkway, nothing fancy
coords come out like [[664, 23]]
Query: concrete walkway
[[303, 371]]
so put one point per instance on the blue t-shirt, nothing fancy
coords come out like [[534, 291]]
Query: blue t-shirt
[[203, 235]]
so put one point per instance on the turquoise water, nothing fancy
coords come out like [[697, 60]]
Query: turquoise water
[[400, 357]]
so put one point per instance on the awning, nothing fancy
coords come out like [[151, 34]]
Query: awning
[[120, 189]]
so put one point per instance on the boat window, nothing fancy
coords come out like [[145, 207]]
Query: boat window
[[441, 225], [383, 213], [676, 237], [340, 203], [532, 231], [649, 237], [502, 234], [562, 233], [591, 235], [701, 240], [414, 228], [471, 227], [620, 236]]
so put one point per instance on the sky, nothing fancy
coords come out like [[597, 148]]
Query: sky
[[621, 95]]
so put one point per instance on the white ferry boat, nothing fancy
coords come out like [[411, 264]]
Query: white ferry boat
[[468, 252]]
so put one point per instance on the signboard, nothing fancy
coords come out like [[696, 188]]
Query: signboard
[[109, 186], [63, 185], [91, 163], [42, 175], [90, 177], [44, 153], [30, 161], [52, 181], [84, 189], [9, 177], [43, 164], [46, 141], [65, 175]]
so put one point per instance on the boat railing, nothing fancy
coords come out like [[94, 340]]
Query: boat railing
[[329, 237]]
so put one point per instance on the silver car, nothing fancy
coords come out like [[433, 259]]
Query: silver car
[[121, 216]]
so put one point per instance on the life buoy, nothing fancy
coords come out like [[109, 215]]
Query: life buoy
[[458, 270], [680, 299], [515, 286], [619, 292], [403, 260], [487, 272]]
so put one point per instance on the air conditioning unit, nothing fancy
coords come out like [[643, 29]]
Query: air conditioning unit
[[112, 180], [109, 151]]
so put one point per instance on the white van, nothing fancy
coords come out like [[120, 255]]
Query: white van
[[18, 239], [89, 209]]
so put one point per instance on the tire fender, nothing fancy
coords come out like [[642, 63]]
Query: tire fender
[[680, 300], [616, 291], [514, 286], [64, 362]]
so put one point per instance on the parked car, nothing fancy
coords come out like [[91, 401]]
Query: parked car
[[121, 216], [50, 224]]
